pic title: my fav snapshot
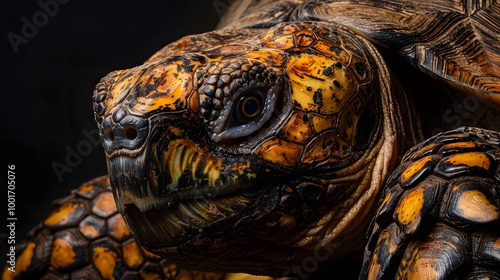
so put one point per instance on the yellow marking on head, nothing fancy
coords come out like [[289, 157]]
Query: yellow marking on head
[[280, 152], [242, 169], [185, 155], [176, 131], [333, 50], [322, 123], [414, 168], [305, 38], [319, 84], [132, 255], [63, 254], [297, 129], [170, 88], [408, 211], [104, 260], [267, 56], [122, 87], [251, 175], [178, 158], [169, 85], [282, 42], [472, 159], [475, 206], [212, 170]]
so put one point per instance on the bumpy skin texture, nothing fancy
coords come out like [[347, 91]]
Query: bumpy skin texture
[[86, 238], [263, 144], [439, 216]]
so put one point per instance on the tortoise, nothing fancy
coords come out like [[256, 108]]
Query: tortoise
[[295, 136]]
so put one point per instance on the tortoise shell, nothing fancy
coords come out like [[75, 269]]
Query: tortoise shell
[[447, 185], [86, 238]]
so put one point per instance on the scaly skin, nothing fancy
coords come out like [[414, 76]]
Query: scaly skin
[[440, 212], [270, 146]]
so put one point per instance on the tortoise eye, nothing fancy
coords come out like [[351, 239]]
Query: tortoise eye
[[250, 106]]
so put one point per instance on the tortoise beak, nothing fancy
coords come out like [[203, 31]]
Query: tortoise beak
[[175, 189], [127, 180]]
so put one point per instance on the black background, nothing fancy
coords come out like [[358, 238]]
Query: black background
[[46, 87]]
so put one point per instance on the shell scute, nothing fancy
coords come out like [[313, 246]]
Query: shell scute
[[440, 215]]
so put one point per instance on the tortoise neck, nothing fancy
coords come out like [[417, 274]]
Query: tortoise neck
[[398, 130]]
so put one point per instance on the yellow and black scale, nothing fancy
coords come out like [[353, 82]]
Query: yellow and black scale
[[447, 182]]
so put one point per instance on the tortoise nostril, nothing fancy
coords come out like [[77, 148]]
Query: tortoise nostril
[[123, 134], [108, 134], [130, 133]]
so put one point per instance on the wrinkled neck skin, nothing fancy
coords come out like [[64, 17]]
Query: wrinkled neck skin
[[304, 183]]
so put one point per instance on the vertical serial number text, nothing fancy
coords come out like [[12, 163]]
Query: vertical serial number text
[[11, 217]]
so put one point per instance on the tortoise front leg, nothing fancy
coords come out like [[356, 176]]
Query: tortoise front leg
[[439, 215]]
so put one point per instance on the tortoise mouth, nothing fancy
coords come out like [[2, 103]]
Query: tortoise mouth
[[177, 191], [195, 223]]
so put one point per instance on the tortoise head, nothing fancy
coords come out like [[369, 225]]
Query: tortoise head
[[249, 146]]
